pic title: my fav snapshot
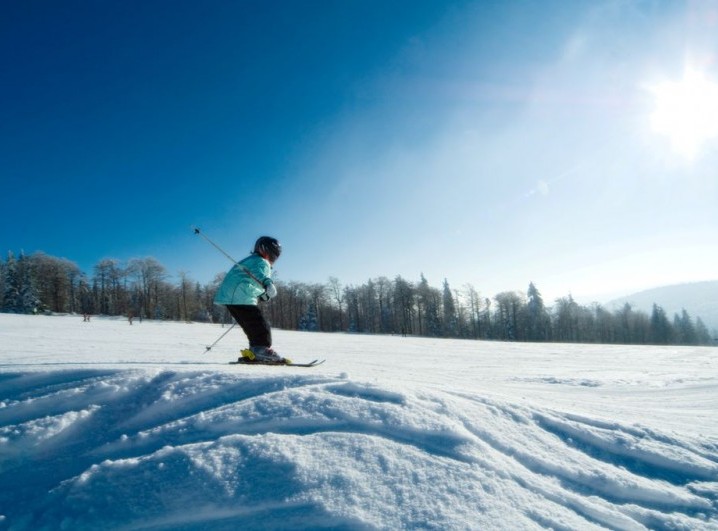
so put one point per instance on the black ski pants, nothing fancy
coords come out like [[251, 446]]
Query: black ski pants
[[253, 322]]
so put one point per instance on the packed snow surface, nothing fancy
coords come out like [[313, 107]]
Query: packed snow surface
[[107, 425]]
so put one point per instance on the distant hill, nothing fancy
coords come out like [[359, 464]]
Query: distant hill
[[699, 299]]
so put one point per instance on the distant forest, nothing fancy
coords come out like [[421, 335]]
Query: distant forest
[[40, 283]]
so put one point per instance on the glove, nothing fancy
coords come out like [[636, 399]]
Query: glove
[[270, 291]]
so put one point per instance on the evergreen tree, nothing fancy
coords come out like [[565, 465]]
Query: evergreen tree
[[703, 337], [308, 322], [451, 322], [428, 306], [661, 332], [539, 322], [3, 277], [11, 289], [685, 331], [20, 295]]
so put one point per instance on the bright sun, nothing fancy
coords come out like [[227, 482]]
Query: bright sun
[[687, 112]]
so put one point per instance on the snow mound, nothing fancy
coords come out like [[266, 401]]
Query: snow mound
[[166, 450]]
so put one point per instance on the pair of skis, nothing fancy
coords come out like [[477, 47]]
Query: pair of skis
[[246, 361]]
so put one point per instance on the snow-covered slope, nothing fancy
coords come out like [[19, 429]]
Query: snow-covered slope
[[104, 425]]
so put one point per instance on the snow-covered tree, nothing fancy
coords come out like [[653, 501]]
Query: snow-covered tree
[[20, 295]]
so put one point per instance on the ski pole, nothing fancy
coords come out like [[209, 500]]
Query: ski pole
[[247, 271], [198, 232], [220, 338]]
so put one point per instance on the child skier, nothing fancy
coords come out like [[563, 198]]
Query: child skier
[[247, 283]]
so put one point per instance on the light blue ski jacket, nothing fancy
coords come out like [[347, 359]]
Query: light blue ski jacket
[[238, 286]]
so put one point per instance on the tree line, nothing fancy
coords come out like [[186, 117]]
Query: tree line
[[140, 288]]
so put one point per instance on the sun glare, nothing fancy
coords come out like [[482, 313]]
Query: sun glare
[[686, 111]]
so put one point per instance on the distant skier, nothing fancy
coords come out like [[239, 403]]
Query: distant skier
[[247, 283]]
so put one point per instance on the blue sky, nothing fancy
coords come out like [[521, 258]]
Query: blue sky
[[491, 143]]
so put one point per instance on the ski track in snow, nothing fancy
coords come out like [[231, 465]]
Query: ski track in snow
[[176, 445]]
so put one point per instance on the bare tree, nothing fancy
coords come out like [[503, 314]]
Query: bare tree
[[149, 274]]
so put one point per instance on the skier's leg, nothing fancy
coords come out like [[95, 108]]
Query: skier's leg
[[259, 333], [254, 324]]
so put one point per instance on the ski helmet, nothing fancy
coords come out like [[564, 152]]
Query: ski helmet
[[268, 246]]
